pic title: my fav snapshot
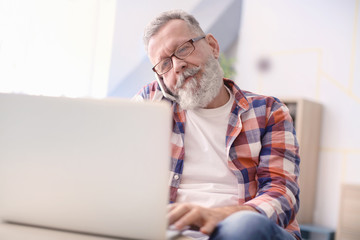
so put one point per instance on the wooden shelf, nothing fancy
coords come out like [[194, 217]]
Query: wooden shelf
[[349, 217], [307, 119]]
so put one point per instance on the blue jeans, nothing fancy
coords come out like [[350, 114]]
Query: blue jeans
[[248, 225]]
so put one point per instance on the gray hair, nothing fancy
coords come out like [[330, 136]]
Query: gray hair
[[154, 26]]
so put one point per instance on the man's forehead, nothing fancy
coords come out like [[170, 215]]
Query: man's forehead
[[168, 37], [175, 26]]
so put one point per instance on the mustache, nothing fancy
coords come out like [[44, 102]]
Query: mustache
[[187, 73]]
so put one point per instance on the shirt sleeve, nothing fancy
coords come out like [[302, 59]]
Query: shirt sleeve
[[151, 92], [278, 169]]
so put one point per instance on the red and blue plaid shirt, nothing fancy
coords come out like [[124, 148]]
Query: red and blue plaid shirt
[[262, 149]]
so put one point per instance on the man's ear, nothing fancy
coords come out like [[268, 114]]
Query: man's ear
[[213, 43]]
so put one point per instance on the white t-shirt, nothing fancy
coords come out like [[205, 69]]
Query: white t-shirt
[[206, 179]]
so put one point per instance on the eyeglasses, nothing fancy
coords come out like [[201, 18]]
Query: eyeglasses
[[181, 53]]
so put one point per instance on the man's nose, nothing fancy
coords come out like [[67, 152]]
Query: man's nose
[[178, 64]]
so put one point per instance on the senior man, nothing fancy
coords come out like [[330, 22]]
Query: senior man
[[234, 158]]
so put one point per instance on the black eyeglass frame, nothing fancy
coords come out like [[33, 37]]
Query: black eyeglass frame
[[192, 40]]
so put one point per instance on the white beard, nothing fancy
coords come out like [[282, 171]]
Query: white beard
[[199, 94]]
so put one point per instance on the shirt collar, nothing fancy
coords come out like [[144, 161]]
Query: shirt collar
[[240, 98]]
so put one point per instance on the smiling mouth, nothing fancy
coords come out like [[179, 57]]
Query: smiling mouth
[[182, 83], [188, 75], [186, 80]]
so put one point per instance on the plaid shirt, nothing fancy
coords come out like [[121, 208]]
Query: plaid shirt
[[262, 153]]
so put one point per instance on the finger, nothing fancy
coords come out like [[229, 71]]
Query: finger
[[171, 206], [192, 217], [177, 212], [208, 227]]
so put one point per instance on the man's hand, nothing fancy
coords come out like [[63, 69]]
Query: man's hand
[[184, 214]]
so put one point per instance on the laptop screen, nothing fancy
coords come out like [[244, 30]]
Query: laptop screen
[[95, 166]]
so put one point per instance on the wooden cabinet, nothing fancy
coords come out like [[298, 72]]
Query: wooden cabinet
[[349, 217], [307, 119]]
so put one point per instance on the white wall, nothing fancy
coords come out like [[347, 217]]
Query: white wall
[[314, 50], [55, 47], [65, 47]]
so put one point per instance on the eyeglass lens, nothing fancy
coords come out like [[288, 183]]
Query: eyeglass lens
[[181, 52]]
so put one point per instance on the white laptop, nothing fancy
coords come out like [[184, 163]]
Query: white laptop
[[90, 166]]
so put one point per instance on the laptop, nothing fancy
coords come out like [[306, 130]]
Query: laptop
[[85, 165]]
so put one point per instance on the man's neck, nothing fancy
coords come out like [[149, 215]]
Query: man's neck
[[221, 99]]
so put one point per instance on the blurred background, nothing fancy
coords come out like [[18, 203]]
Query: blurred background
[[307, 49]]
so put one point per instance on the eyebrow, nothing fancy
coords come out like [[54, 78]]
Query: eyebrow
[[174, 49]]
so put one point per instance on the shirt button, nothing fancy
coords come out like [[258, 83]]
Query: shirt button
[[176, 177]]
